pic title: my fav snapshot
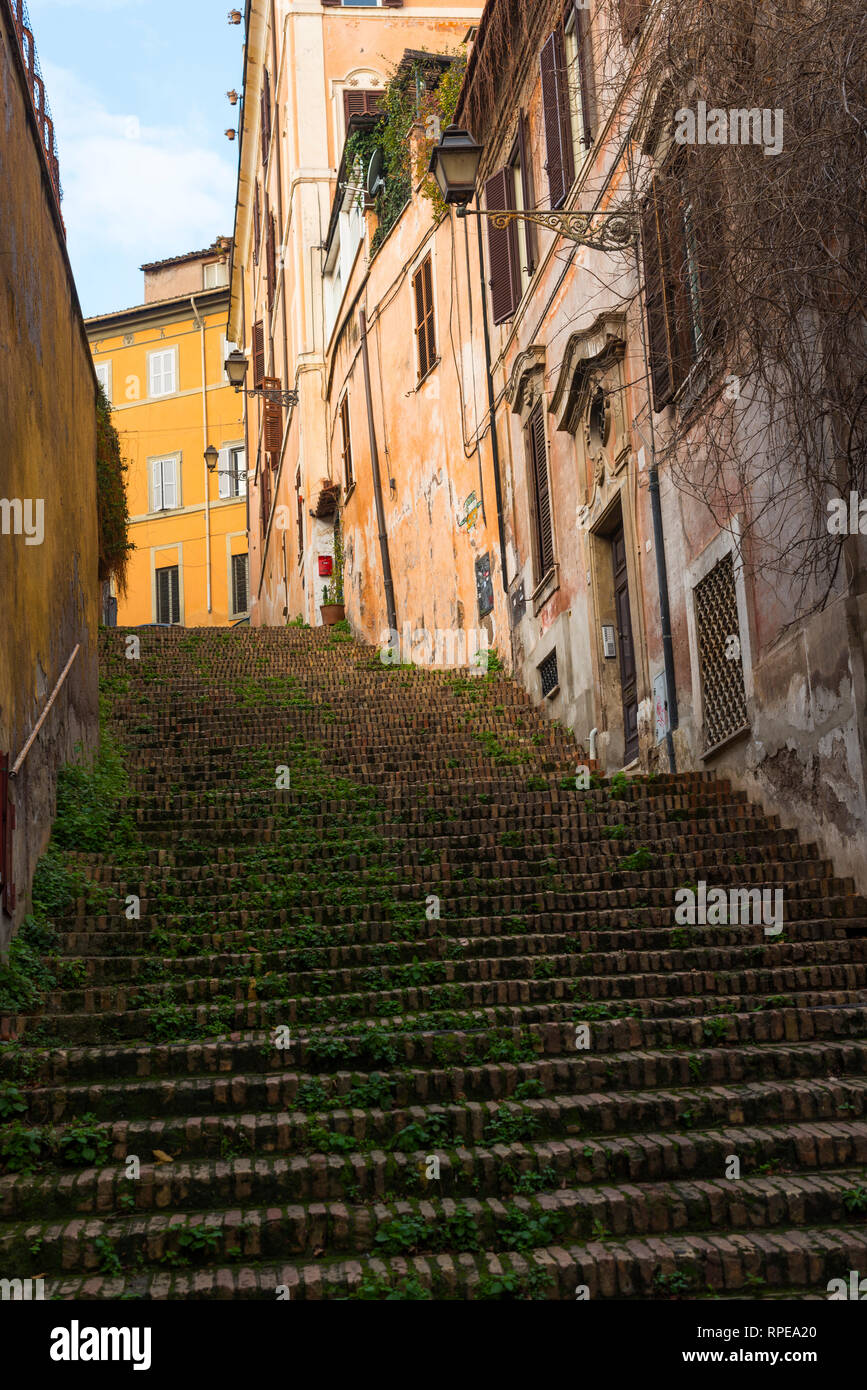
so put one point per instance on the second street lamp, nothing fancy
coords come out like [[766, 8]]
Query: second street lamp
[[236, 371], [455, 165]]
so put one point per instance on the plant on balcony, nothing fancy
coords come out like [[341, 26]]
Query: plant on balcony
[[332, 607]]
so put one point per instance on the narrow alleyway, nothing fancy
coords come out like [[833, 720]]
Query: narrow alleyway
[[342, 1035]]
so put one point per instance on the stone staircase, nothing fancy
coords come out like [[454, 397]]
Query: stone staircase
[[334, 1092]]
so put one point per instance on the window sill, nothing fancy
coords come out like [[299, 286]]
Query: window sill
[[724, 742], [544, 590], [428, 374], [693, 388]]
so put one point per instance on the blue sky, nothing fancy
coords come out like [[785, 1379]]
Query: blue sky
[[138, 94]]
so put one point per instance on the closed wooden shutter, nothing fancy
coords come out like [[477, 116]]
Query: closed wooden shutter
[[586, 80], [258, 353], [656, 293], [257, 226], [425, 334], [558, 127], [273, 413], [502, 249], [266, 115], [528, 191], [239, 584], [362, 103], [168, 595], [539, 469]]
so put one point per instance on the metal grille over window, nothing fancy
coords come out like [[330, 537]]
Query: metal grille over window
[[549, 675], [719, 646]]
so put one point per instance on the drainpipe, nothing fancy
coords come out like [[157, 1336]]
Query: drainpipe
[[495, 447], [387, 580], [664, 608], [200, 324]]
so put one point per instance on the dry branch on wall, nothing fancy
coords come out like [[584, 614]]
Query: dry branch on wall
[[768, 421]]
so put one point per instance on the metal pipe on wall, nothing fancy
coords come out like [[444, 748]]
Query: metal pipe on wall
[[201, 325], [388, 582]]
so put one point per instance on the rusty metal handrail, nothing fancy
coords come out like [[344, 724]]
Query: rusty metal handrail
[[19, 761], [38, 98]]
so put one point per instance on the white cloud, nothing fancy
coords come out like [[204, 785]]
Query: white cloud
[[132, 192]]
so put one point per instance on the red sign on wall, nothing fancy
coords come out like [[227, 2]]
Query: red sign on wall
[[326, 566]]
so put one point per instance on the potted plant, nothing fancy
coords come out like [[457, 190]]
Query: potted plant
[[332, 608]]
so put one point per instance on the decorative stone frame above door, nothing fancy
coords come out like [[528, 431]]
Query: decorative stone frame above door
[[526, 383], [587, 402]]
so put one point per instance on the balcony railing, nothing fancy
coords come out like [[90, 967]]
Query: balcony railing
[[37, 93]]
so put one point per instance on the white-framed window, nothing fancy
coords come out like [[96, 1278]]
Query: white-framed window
[[163, 372], [103, 376], [216, 274], [580, 78], [232, 470], [165, 483]]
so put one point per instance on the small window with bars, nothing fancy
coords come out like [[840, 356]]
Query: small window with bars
[[719, 646], [549, 675], [168, 595], [240, 585]]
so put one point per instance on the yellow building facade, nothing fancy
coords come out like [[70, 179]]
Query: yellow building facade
[[162, 366]]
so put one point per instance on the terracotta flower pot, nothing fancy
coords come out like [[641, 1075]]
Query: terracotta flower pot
[[332, 613]]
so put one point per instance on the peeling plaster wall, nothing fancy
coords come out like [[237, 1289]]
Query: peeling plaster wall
[[320, 52], [48, 452], [436, 532], [804, 755]]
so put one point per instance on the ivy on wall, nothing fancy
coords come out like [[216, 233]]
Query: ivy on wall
[[111, 468], [421, 92]]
